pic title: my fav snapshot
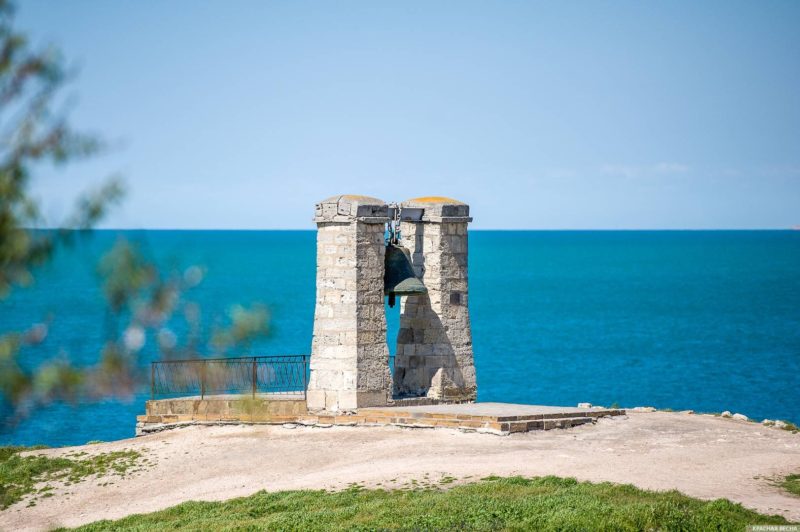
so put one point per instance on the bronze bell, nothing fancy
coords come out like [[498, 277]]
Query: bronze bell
[[398, 277]]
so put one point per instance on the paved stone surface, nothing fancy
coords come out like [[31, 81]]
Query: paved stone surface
[[496, 418], [492, 409]]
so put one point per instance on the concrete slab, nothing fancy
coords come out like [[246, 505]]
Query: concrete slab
[[496, 418], [495, 409], [504, 417]]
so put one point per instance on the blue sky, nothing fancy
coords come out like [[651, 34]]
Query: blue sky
[[558, 115]]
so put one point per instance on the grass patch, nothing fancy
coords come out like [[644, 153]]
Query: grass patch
[[791, 427], [545, 503], [783, 425], [20, 474], [791, 484]]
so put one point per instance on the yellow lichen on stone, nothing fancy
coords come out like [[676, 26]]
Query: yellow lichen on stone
[[436, 199]]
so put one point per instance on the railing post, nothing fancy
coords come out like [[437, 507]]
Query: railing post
[[152, 381], [203, 380], [305, 384], [254, 378]]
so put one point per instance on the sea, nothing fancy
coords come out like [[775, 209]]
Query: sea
[[700, 320]]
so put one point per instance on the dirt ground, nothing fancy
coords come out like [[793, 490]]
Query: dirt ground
[[702, 456]]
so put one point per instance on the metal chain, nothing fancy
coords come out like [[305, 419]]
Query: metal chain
[[394, 226]]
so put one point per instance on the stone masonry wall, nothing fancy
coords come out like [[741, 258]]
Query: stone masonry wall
[[349, 354], [434, 355]]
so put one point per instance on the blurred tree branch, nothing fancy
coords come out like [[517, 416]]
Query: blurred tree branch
[[141, 299]]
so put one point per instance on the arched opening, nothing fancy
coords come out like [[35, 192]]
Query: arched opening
[[392, 330]]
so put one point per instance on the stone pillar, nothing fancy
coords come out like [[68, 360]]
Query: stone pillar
[[349, 355], [434, 346]]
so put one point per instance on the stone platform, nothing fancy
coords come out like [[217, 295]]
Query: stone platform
[[504, 418], [496, 418], [263, 408]]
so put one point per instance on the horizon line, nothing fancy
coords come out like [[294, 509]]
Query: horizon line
[[794, 228]]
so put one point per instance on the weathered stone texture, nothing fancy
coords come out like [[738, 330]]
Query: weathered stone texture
[[349, 362], [349, 355], [495, 418], [434, 346]]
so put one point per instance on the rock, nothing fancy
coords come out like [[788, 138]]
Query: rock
[[740, 417], [780, 424], [643, 409], [726, 414], [584, 405], [768, 422], [289, 425], [492, 431], [687, 412]]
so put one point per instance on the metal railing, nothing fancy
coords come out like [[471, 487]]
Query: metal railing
[[284, 374], [242, 375]]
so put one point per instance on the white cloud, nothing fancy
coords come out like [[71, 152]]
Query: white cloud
[[670, 168]]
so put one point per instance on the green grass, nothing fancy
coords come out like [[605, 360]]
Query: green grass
[[19, 475], [516, 503], [791, 427], [791, 484]]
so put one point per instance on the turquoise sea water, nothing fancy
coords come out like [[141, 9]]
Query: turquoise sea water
[[703, 320]]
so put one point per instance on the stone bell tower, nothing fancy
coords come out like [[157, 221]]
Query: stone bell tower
[[349, 353]]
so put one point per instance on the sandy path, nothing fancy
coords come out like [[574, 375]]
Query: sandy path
[[701, 456]]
